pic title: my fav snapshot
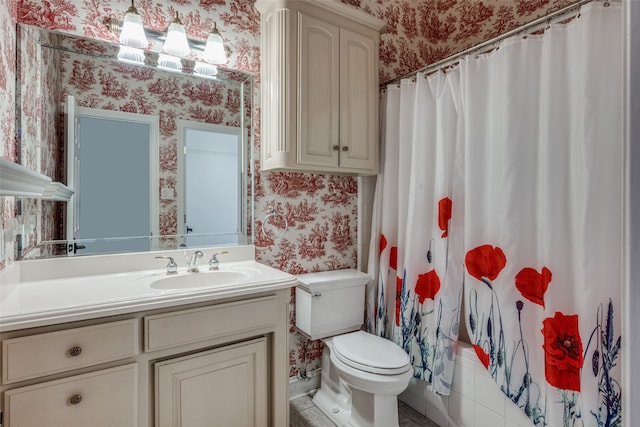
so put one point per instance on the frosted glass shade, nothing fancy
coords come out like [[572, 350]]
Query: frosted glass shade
[[132, 33], [203, 69], [214, 50], [131, 55], [176, 43], [169, 63]]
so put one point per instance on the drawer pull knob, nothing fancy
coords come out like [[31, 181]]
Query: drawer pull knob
[[75, 399], [75, 351], [336, 147], [345, 148]]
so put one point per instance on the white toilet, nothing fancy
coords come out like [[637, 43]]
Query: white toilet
[[362, 374]]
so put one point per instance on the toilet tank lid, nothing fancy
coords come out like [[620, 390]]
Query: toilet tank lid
[[332, 279]]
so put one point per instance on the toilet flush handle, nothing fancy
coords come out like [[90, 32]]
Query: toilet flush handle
[[316, 295]]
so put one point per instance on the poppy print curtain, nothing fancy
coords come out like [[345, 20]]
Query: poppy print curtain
[[528, 202], [413, 208]]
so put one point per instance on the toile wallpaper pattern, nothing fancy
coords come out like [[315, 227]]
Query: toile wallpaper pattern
[[321, 210]]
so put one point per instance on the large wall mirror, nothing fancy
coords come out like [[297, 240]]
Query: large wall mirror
[[157, 159]]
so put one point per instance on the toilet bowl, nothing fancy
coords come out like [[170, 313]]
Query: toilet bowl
[[362, 374]]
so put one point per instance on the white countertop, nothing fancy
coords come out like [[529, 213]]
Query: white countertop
[[29, 298]]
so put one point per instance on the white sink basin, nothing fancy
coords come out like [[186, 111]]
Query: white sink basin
[[57, 290], [203, 279]]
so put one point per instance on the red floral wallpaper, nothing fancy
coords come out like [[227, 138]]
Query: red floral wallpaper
[[321, 211], [422, 32]]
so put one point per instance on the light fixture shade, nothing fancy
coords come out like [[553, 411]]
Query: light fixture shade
[[132, 33], [204, 69], [214, 52], [131, 55], [169, 63], [176, 43]]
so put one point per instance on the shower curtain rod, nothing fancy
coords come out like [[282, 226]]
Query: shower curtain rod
[[529, 27]]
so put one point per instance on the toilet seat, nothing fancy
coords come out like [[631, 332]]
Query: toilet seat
[[370, 353]]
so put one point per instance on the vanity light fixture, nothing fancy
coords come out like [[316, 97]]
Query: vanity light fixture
[[132, 34], [169, 63], [176, 43], [206, 70], [134, 42], [131, 55], [214, 50]]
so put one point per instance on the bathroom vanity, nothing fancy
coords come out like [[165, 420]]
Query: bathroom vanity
[[130, 345]]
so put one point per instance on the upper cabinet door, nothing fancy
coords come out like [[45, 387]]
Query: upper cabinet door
[[318, 92], [319, 87], [358, 101]]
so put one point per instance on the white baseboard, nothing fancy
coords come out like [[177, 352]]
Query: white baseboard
[[299, 387]]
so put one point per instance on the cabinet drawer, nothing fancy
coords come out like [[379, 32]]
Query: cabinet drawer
[[191, 326], [99, 399], [49, 353]]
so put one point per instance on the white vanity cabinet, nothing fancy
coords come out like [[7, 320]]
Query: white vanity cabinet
[[215, 363], [319, 87]]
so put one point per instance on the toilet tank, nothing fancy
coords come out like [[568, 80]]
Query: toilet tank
[[330, 302]]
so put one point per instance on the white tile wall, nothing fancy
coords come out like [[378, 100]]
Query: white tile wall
[[475, 400]]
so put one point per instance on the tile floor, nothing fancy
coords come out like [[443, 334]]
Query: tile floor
[[305, 414]]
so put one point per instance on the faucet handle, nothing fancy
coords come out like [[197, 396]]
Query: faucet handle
[[213, 262], [193, 261], [172, 267]]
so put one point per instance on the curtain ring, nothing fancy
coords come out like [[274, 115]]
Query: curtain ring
[[273, 212]]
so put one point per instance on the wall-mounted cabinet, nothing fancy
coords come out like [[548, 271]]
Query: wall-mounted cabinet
[[319, 87]]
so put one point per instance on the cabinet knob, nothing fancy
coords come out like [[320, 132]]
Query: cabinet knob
[[345, 148], [75, 351], [336, 147], [75, 399]]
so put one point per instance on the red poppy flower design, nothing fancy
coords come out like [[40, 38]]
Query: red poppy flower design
[[393, 258], [533, 285], [485, 261], [398, 299], [444, 215], [562, 351], [383, 242], [427, 286], [482, 355]]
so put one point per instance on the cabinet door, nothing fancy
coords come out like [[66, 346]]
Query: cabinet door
[[318, 92], [222, 387], [358, 101]]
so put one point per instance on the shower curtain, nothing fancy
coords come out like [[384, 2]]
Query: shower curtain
[[501, 189]]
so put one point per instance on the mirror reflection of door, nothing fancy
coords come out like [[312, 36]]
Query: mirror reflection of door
[[115, 157], [211, 168]]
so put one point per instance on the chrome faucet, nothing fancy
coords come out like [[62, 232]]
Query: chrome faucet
[[213, 262], [193, 261], [172, 267]]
